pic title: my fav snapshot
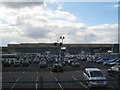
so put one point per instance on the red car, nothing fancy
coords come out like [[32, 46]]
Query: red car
[[114, 71], [25, 63]]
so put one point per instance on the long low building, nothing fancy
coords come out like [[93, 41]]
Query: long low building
[[70, 48]]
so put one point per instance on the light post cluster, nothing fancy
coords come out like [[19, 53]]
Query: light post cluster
[[62, 37], [59, 43]]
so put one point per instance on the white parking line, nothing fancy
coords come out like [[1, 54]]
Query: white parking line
[[29, 67], [36, 83], [15, 83], [51, 72], [56, 79], [23, 72], [78, 71], [110, 86], [59, 84], [37, 72], [80, 83], [10, 72]]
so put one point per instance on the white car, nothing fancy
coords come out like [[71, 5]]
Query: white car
[[94, 77]]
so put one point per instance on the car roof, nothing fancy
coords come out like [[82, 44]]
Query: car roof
[[56, 64], [116, 66], [92, 69]]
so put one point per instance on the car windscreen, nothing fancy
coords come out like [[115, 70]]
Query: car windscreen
[[96, 74]]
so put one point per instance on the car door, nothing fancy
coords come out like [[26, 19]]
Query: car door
[[85, 75]]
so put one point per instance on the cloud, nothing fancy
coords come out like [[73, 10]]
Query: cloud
[[59, 7], [116, 5], [107, 33], [59, 15], [36, 32], [12, 42], [21, 4]]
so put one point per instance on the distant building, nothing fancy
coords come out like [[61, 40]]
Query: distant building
[[70, 48], [3, 49]]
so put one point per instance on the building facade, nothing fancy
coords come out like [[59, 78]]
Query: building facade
[[70, 48]]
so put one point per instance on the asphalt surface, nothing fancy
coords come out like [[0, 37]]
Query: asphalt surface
[[36, 78]]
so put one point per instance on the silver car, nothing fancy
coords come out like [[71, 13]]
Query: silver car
[[94, 77], [43, 64]]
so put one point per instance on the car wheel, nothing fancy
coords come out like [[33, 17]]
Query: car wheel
[[89, 85], [106, 87], [109, 74]]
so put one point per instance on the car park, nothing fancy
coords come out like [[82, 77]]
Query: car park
[[94, 77], [114, 71], [72, 76]]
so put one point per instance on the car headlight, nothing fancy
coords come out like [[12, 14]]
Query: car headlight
[[93, 82], [105, 82]]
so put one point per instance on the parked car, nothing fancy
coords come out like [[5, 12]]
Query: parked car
[[103, 60], [6, 63], [98, 60], [117, 62], [25, 63], [12, 61], [94, 77], [110, 61], [63, 63], [57, 68], [43, 64], [36, 60], [16, 64], [70, 62], [114, 71], [75, 64]]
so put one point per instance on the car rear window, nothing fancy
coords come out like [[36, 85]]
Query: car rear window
[[96, 74]]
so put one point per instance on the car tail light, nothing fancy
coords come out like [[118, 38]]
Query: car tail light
[[118, 71]]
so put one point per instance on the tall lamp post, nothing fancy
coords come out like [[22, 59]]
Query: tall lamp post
[[62, 37]]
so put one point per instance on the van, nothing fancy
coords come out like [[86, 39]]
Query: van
[[94, 77]]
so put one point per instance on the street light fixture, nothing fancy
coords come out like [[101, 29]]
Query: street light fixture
[[62, 37]]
